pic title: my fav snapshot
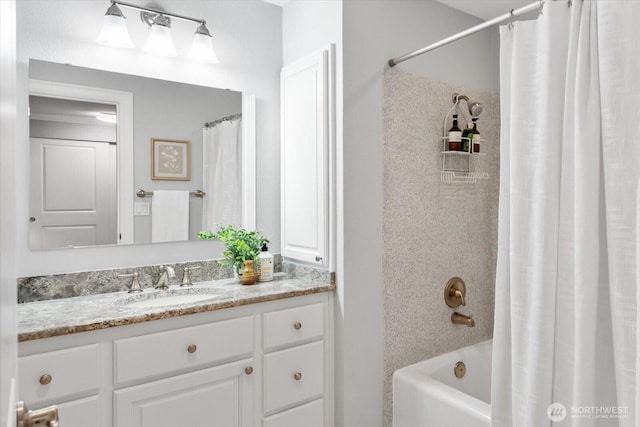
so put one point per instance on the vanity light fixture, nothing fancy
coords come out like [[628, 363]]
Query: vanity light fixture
[[160, 42], [114, 30], [202, 47]]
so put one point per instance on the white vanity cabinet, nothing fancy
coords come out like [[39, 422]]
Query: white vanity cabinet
[[234, 367], [223, 393]]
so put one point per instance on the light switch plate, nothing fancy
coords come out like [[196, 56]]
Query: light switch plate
[[141, 208]]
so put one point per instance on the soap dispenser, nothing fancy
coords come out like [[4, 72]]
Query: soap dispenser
[[265, 264]]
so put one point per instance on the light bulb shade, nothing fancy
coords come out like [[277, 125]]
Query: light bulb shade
[[202, 49], [160, 41], [114, 32]]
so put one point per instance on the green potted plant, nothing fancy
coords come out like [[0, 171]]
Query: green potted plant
[[241, 245]]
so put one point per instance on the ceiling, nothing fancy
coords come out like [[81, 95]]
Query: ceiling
[[485, 9]]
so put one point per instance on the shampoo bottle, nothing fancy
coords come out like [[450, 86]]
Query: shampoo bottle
[[455, 135], [266, 264]]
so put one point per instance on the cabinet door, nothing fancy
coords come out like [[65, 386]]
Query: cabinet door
[[305, 138], [214, 397], [80, 413]]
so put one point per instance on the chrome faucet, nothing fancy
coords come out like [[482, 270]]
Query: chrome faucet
[[135, 283], [186, 279], [461, 319], [165, 273]]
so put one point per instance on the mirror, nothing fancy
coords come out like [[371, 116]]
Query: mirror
[[84, 167]]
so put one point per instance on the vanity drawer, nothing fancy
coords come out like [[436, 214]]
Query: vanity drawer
[[293, 325], [292, 376], [58, 374], [165, 353], [308, 415]]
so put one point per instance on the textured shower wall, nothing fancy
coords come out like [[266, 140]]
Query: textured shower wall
[[431, 230]]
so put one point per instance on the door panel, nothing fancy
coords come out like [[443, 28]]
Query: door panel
[[71, 206]]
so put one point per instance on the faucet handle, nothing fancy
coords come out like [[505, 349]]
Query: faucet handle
[[454, 292], [186, 279], [135, 284]]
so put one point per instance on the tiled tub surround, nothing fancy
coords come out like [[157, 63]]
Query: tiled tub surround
[[67, 285], [433, 230], [50, 318]]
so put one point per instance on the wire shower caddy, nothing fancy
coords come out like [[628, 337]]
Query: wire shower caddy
[[456, 165]]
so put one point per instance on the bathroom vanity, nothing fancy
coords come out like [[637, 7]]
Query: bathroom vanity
[[242, 356]]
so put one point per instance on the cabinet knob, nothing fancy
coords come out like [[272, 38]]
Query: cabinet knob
[[248, 370], [297, 376], [297, 325], [192, 348], [45, 379]]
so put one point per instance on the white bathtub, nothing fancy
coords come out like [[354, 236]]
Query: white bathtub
[[428, 394]]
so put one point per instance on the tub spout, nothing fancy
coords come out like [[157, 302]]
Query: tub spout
[[461, 319]]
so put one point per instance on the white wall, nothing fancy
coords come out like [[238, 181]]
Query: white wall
[[374, 32], [248, 41]]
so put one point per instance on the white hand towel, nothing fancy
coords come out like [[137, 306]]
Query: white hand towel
[[169, 216]]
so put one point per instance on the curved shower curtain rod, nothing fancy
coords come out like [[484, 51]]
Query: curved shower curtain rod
[[507, 17]]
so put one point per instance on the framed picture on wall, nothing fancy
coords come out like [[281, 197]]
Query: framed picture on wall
[[170, 159]]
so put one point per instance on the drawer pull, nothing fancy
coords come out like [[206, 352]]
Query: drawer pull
[[46, 379], [297, 325], [297, 376], [192, 348], [248, 370]]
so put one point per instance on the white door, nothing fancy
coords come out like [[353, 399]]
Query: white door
[[305, 180], [72, 206], [8, 298]]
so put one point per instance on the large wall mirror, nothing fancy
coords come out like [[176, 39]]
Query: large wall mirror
[[56, 42], [122, 159]]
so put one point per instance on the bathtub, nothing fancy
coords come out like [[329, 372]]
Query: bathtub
[[428, 394]]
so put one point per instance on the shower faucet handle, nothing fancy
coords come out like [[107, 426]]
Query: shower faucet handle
[[454, 292]]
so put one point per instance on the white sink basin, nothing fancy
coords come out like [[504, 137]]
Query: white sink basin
[[163, 298]]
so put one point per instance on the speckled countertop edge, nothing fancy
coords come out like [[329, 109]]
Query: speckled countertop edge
[[45, 319]]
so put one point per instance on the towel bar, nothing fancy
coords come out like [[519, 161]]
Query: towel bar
[[143, 193]]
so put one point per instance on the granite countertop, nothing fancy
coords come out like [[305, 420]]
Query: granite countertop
[[52, 318]]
